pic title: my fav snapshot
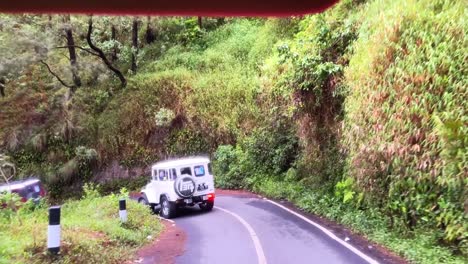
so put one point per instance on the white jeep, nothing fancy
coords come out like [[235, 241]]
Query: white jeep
[[180, 182]]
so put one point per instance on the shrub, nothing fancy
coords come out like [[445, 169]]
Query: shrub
[[91, 231], [164, 117], [272, 149], [227, 167]]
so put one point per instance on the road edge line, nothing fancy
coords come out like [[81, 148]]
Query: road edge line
[[258, 246], [327, 232], [165, 219]]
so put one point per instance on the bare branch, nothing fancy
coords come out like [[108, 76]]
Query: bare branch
[[65, 56], [78, 47], [4, 164], [102, 55], [57, 77]]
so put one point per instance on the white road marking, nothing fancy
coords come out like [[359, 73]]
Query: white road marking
[[162, 218], [258, 247], [327, 232]]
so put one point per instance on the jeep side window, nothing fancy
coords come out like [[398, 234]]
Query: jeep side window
[[199, 170], [209, 169], [162, 175], [155, 175], [173, 174], [186, 170]]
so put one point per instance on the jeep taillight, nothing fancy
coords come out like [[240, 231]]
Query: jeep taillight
[[42, 191], [211, 197]]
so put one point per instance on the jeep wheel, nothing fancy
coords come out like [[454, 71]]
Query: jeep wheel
[[206, 206], [143, 200], [168, 209]]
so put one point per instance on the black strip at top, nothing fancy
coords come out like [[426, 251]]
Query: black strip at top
[[122, 204], [54, 215]]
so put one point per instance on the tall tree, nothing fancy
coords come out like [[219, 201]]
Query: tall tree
[[72, 53], [2, 86], [49, 21], [200, 22], [101, 54], [134, 44], [114, 39], [149, 36], [220, 21]]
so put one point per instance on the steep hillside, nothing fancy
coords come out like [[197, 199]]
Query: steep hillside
[[357, 114]]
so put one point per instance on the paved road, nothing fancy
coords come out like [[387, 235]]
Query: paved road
[[253, 230]]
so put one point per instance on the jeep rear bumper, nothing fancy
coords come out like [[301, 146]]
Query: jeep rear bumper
[[196, 199]]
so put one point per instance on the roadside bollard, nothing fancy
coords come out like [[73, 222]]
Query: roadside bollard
[[53, 231], [123, 210]]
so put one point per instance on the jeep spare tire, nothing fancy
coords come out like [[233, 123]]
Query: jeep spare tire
[[184, 186]]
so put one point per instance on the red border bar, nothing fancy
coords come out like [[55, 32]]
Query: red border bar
[[169, 7]]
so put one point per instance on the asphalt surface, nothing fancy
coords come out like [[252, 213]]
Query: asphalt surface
[[221, 236]]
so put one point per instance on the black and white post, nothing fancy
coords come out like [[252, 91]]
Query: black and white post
[[53, 231], [123, 210]]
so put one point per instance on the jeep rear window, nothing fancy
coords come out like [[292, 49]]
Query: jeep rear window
[[186, 170], [209, 169], [199, 170]]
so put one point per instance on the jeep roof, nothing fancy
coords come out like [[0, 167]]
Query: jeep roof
[[181, 162], [20, 184]]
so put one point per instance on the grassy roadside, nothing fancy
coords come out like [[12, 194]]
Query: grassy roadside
[[420, 246], [91, 231]]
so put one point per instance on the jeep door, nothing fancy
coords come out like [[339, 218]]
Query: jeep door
[[203, 179], [151, 188], [165, 184]]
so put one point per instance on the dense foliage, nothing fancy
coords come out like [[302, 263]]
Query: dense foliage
[[410, 154], [358, 114]]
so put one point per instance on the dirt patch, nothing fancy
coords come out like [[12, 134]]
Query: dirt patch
[[115, 171], [164, 250], [134, 195]]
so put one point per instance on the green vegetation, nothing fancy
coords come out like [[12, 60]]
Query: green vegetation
[[361, 108], [91, 230], [410, 154], [376, 91]]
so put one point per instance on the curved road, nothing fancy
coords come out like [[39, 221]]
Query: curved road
[[257, 231]]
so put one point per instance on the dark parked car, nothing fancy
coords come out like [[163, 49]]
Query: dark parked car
[[30, 188]]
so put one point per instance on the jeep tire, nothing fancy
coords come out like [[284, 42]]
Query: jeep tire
[[206, 206], [168, 208], [143, 200], [187, 179]]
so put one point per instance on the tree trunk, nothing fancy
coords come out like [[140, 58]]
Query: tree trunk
[[2, 86], [150, 37], [114, 49], [49, 22], [72, 53], [220, 21], [200, 22], [134, 45], [101, 54]]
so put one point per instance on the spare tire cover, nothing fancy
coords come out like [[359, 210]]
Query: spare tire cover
[[184, 186]]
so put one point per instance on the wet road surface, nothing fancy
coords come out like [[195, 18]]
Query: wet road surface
[[254, 230]]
